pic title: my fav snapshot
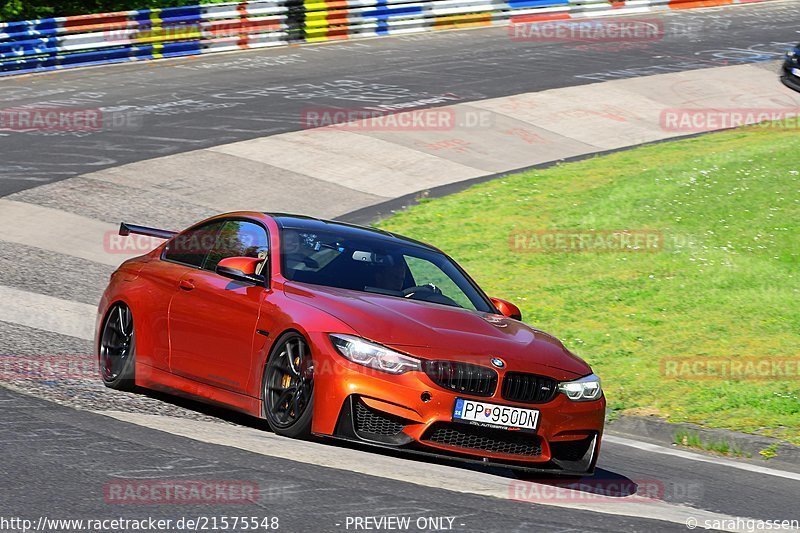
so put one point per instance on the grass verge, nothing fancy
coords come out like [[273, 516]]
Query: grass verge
[[691, 439], [724, 282]]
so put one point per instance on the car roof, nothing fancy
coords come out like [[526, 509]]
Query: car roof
[[302, 222]]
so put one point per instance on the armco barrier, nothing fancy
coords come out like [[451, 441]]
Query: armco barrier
[[56, 43]]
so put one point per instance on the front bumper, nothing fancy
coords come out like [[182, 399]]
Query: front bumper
[[787, 77], [410, 412]]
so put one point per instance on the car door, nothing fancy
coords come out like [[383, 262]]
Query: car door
[[183, 254], [212, 319]]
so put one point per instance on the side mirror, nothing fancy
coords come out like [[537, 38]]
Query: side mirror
[[241, 269], [507, 308]]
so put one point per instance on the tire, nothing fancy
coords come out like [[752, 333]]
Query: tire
[[117, 350], [288, 387]]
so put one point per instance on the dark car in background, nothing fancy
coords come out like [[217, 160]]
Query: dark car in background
[[790, 73]]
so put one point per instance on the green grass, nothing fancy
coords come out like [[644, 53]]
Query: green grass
[[770, 452], [692, 439], [725, 284]]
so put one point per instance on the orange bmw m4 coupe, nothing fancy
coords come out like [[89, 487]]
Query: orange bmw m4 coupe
[[334, 330]]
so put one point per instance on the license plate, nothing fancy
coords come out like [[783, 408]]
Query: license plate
[[796, 72], [493, 415]]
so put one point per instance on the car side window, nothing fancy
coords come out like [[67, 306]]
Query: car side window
[[192, 246], [237, 238]]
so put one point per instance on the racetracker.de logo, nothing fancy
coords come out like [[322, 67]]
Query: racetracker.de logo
[[150, 33], [196, 243], [432, 119], [621, 30], [578, 241], [46, 119], [698, 120], [48, 367], [587, 491], [70, 120], [114, 243], [731, 368], [181, 491]]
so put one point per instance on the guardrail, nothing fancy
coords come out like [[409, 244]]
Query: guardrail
[[55, 43]]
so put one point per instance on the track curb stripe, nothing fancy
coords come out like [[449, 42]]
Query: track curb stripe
[[105, 38]]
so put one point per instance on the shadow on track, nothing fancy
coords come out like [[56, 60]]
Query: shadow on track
[[603, 483]]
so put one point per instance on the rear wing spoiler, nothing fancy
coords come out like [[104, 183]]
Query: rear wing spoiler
[[127, 229]]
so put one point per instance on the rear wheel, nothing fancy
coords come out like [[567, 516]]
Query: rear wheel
[[118, 349], [288, 391]]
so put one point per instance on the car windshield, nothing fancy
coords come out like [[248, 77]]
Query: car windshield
[[363, 262]]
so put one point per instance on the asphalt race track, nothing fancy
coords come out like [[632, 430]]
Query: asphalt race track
[[100, 448], [178, 106], [80, 453], [182, 105]]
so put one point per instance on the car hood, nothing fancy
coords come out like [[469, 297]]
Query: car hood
[[438, 331]]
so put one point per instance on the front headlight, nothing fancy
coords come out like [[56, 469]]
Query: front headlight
[[582, 390], [365, 353]]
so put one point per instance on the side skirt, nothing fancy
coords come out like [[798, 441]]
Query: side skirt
[[163, 381]]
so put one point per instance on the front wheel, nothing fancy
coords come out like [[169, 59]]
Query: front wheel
[[288, 390], [118, 349]]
